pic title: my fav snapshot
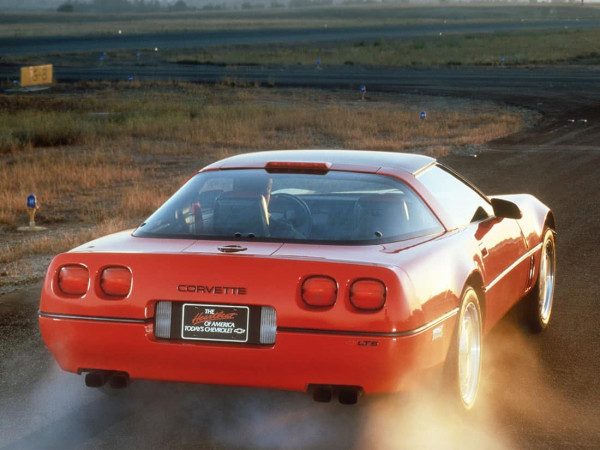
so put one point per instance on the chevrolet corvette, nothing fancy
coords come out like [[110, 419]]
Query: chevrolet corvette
[[331, 272]]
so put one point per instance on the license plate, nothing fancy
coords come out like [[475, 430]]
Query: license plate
[[215, 322]]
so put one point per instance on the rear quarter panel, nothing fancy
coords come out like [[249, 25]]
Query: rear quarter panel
[[438, 271]]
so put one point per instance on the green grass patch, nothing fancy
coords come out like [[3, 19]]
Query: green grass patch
[[516, 48], [565, 46]]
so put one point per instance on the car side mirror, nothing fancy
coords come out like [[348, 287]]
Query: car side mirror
[[505, 209]]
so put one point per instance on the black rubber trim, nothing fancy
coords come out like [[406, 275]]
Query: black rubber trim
[[412, 332], [342, 332], [91, 318]]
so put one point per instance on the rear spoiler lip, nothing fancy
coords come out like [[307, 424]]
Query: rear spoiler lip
[[75, 255]]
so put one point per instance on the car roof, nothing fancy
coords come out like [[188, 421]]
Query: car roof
[[373, 160]]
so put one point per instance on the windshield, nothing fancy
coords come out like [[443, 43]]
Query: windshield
[[337, 207]]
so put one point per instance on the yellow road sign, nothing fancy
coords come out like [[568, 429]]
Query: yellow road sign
[[36, 75]]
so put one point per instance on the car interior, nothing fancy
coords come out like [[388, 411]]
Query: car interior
[[336, 216], [335, 208]]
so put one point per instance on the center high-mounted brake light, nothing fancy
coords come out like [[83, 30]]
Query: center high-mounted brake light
[[116, 281], [319, 291], [297, 167], [367, 294], [73, 279]]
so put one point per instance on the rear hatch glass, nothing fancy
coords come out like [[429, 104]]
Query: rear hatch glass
[[253, 204]]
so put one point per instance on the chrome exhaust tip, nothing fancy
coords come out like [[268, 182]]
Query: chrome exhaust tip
[[96, 379], [349, 396], [322, 394], [118, 380]]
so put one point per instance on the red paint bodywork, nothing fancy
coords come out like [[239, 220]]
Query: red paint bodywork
[[381, 351]]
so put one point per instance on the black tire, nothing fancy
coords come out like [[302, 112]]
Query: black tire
[[460, 387], [539, 302]]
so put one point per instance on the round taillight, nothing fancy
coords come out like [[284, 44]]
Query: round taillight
[[368, 295], [319, 291], [116, 281], [73, 279]]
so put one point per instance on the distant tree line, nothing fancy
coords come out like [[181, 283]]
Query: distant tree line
[[115, 6], [110, 6]]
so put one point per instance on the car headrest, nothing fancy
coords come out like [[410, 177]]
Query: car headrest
[[381, 215], [240, 212]]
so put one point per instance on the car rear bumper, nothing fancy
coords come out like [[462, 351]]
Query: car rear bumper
[[376, 363]]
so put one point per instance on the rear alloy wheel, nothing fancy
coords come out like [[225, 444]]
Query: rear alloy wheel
[[541, 297], [464, 359]]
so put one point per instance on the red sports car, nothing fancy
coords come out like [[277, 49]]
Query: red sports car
[[334, 272]]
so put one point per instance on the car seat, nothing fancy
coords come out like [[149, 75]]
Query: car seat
[[381, 216], [241, 212]]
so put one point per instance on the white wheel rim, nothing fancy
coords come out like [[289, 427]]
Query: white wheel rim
[[547, 273], [469, 354]]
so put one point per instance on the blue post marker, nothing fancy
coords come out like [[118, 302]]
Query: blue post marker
[[31, 201], [102, 57], [422, 115], [32, 207], [318, 62], [363, 91]]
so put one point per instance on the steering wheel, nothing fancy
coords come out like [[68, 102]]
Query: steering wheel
[[293, 210]]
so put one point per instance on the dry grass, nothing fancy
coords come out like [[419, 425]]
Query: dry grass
[[117, 167], [59, 241], [58, 175], [143, 199], [188, 118]]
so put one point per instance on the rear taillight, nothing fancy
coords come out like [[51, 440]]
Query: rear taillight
[[367, 294], [73, 279], [116, 281], [319, 291]]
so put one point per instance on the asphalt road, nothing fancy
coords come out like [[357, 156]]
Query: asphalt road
[[45, 45], [549, 89], [539, 391]]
